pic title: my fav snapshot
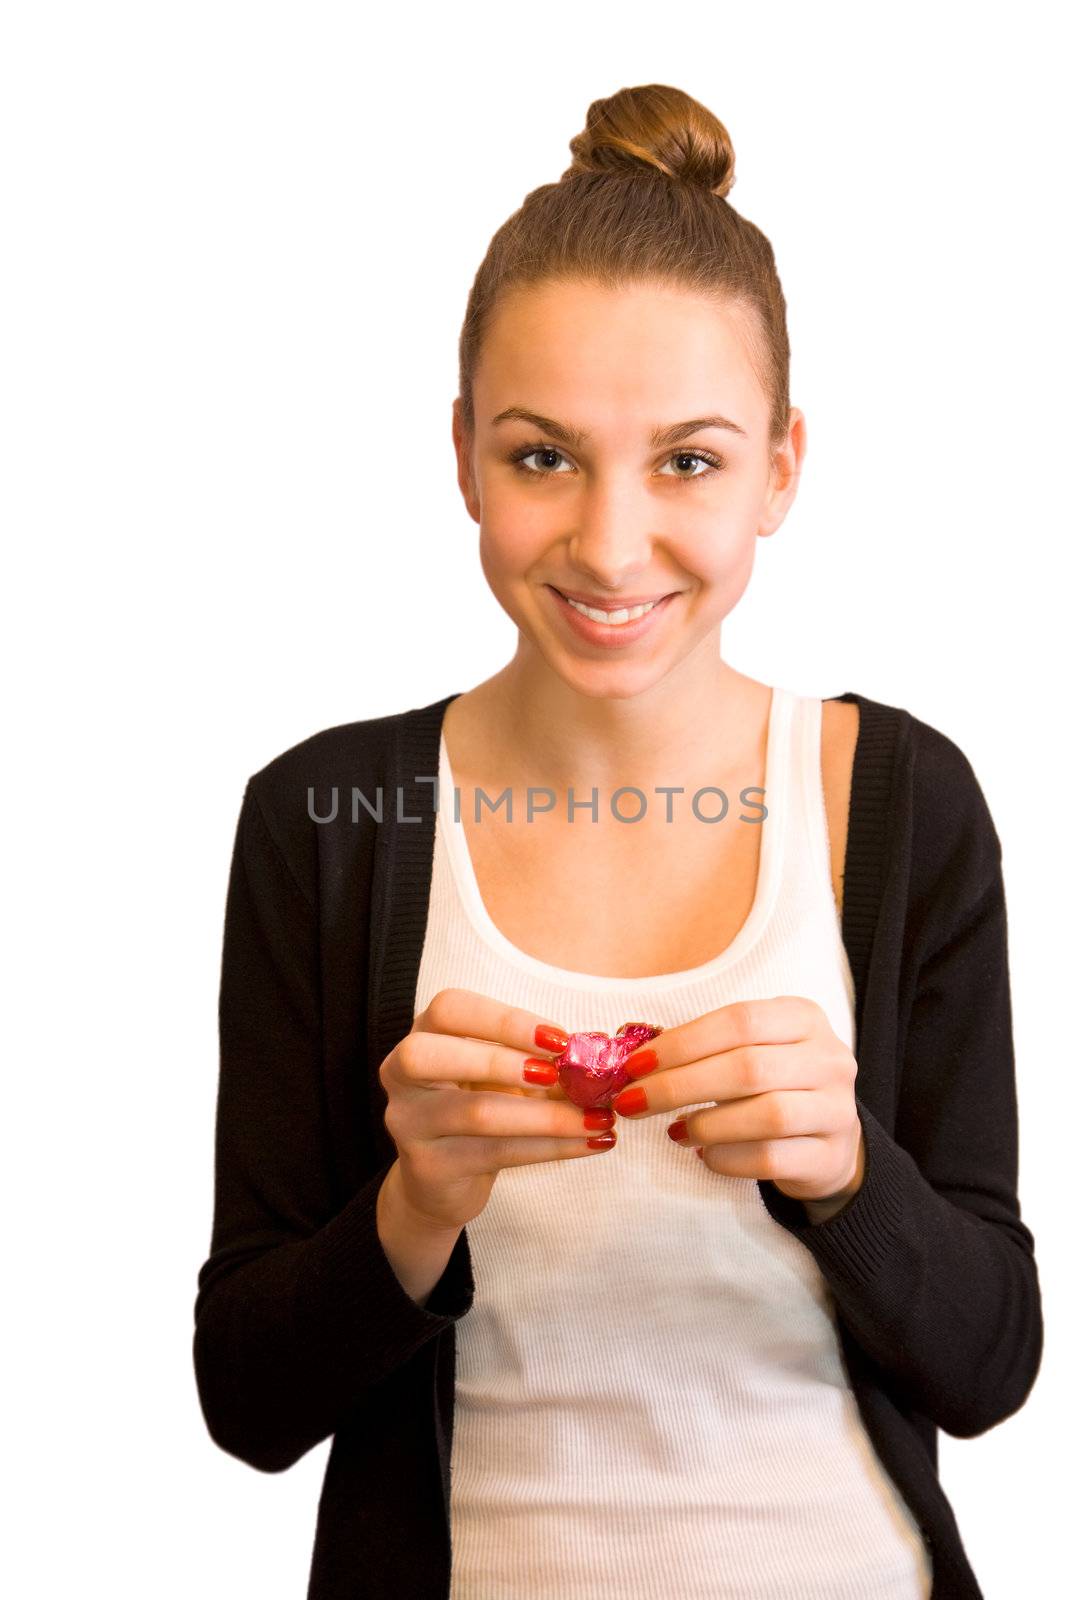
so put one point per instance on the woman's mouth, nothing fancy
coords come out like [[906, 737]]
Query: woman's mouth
[[619, 626]]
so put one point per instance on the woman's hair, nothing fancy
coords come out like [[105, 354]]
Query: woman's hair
[[644, 199]]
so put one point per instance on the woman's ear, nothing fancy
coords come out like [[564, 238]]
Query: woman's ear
[[783, 479], [465, 461]]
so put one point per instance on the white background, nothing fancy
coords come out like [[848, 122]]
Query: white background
[[238, 243]]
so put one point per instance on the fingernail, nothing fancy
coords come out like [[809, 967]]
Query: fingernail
[[599, 1117], [631, 1099], [548, 1038], [677, 1131], [641, 1062], [603, 1141], [537, 1071]]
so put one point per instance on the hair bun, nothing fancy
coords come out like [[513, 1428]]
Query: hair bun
[[655, 127]]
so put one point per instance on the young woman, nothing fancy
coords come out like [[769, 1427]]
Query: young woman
[[696, 1342]]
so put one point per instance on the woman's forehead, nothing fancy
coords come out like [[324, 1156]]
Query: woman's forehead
[[593, 357]]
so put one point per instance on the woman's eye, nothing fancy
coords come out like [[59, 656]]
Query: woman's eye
[[702, 458], [523, 454]]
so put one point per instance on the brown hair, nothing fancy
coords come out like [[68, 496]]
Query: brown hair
[[644, 199]]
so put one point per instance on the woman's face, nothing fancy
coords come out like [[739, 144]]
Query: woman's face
[[620, 454]]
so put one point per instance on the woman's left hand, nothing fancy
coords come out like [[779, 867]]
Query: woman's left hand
[[784, 1087]]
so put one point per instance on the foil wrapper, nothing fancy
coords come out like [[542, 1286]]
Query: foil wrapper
[[592, 1069]]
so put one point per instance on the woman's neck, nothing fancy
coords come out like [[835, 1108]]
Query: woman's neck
[[527, 725]]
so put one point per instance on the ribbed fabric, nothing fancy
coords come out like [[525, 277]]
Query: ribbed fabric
[[662, 1441]]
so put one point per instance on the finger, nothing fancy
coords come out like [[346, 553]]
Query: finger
[[425, 1060], [541, 1091], [468, 1014], [517, 1151], [744, 1074], [525, 1152], [784, 1019], [780, 1160], [464, 1015], [782, 1114], [491, 1122]]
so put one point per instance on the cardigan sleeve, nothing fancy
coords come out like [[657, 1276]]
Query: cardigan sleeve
[[298, 1312], [929, 1262]]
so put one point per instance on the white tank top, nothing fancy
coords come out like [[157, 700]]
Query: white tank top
[[652, 1401]]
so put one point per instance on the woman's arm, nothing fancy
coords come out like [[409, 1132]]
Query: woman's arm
[[299, 1310], [929, 1262], [418, 1253]]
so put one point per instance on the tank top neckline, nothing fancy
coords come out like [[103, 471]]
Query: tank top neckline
[[776, 785]]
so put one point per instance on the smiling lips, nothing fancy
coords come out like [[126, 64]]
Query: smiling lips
[[618, 627]]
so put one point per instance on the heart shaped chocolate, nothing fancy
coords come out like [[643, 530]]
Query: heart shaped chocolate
[[592, 1069]]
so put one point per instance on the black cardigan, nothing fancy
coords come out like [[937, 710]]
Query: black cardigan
[[302, 1329]]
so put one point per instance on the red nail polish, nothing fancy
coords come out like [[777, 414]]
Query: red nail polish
[[603, 1141], [642, 1062], [548, 1038], [633, 1098], [536, 1071], [599, 1117], [677, 1131]]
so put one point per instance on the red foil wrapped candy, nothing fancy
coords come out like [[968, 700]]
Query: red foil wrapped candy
[[592, 1069]]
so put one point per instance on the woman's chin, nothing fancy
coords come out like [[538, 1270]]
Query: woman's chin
[[607, 680]]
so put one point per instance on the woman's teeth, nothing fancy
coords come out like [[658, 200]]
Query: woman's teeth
[[612, 618]]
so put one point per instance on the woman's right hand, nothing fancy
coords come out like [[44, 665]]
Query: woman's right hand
[[460, 1107]]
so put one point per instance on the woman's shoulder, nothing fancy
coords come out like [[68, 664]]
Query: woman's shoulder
[[882, 735], [947, 791], [299, 781], [920, 830], [916, 788], [345, 747]]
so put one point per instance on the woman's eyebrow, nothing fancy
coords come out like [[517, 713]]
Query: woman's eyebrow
[[575, 437]]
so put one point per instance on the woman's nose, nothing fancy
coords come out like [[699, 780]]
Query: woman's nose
[[612, 540]]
